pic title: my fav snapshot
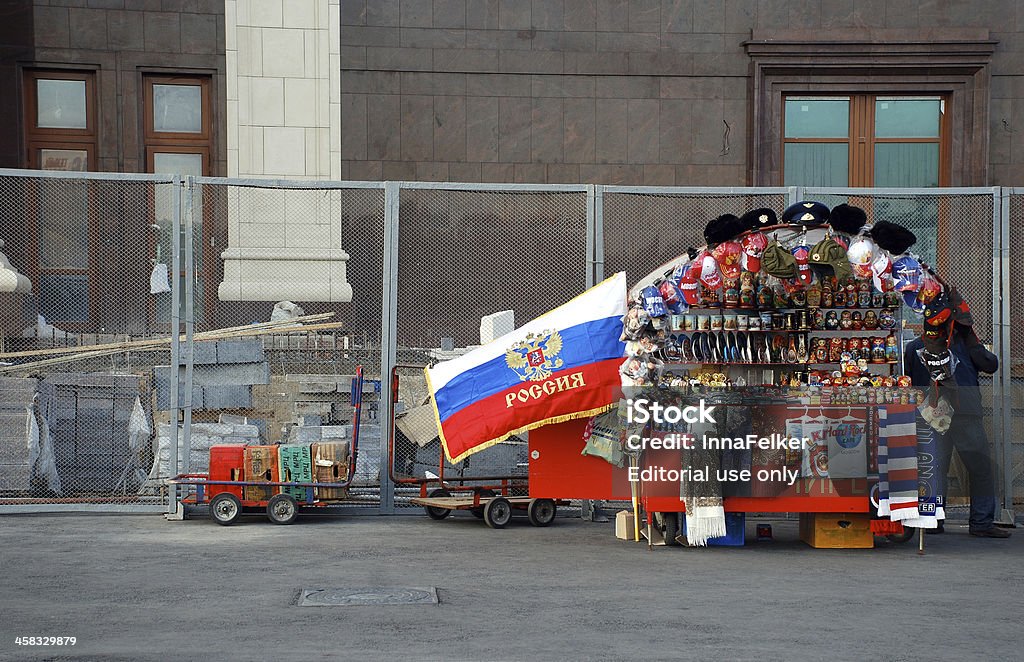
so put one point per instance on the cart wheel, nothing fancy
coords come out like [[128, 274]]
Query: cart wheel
[[908, 533], [282, 509], [433, 511], [225, 509], [498, 512], [671, 528], [541, 512], [479, 512]]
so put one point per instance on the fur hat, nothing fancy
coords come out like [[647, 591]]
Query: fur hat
[[847, 219], [723, 228], [757, 219], [894, 238]]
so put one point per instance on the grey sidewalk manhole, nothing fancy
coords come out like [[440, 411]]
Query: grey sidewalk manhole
[[361, 597]]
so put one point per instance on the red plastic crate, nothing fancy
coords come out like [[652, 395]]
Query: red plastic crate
[[226, 464]]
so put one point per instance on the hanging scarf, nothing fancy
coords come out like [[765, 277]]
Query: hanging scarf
[[900, 460], [705, 514], [929, 506]]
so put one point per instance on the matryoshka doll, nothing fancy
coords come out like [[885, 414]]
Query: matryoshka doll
[[877, 350], [846, 320], [851, 293], [865, 348], [856, 322], [832, 320], [747, 295], [892, 354], [820, 350], [864, 294], [835, 350], [765, 296], [839, 296], [886, 319], [827, 300], [818, 320], [877, 299], [892, 299], [814, 295], [731, 288], [871, 320]]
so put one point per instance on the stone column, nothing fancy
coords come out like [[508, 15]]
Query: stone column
[[284, 122]]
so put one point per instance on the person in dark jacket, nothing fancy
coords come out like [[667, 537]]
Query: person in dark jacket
[[967, 431]]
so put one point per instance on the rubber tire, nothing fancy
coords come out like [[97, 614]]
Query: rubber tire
[[541, 512], [498, 513], [282, 509], [908, 533], [671, 528], [434, 512], [479, 512], [228, 506]]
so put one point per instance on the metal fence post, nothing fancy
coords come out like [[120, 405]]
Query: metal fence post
[[190, 317], [595, 234], [388, 339], [1001, 320], [174, 511]]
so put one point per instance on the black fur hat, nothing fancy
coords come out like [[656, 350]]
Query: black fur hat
[[847, 218], [723, 228], [894, 238], [756, 219]]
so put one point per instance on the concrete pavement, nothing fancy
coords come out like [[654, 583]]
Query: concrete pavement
[[140, 588]]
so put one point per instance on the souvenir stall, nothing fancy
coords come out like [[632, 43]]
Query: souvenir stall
[[792, 329]]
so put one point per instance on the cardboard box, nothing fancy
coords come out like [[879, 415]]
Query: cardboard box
[[624, 525], [261, 465], [837, 530], [296, 467]]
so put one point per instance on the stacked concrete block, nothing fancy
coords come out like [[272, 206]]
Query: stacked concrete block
[[197, 454], [19, 398], [328, 396], [223, 375], [91, 438]]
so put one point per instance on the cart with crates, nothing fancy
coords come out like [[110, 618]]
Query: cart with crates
[[279, 480], [492, 494]]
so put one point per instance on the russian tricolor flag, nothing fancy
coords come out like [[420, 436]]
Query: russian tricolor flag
[[562, 365]]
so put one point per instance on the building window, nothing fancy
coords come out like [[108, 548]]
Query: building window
[[865, 140], [60, 119], [179, 138], [177, 123], [893, 88]]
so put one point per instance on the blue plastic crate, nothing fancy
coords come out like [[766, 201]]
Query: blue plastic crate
[[735, 531]]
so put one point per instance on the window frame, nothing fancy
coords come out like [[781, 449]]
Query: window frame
[[153, 137], [38, 138], [951, 62], [861, 148]]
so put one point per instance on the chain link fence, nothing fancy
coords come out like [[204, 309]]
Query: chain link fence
[[1014, 379], [286, 302], [80, 333], [404, 275], [474, 263], [646, 227]]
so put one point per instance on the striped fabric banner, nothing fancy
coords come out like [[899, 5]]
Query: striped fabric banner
[[901, 461], [883, 465]]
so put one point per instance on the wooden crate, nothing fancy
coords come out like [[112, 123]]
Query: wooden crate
[[330, 465], [261, 465]]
